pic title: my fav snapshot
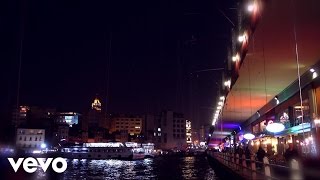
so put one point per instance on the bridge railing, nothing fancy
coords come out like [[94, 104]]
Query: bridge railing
[[253, 169]]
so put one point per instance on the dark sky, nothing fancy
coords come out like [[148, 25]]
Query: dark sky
[[155, 47]]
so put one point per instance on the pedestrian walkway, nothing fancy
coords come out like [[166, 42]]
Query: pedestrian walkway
[[253, 169]]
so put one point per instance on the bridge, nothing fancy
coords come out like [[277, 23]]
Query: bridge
[[271, 97]]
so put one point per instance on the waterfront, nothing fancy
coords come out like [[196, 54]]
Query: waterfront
[[158, 168]]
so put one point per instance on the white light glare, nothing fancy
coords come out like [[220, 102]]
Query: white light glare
[[312, 70], [314, 75], [275, 127], [249, 136], [220, 103], [258, 113], [219, 107], [277, 100], [227, 83], [251, 7], [235, 58], [43, 145], [222, 98], [241, 38], [317, 121]]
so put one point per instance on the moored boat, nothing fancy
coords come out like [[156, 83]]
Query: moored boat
[[113, 150]]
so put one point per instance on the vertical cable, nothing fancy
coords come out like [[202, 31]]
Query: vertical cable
[[264, 71], [298, 70], [250, 85], [108, 70]]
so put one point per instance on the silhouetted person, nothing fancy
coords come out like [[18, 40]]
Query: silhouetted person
[[291, 153], [248, 155], [260, 155], [241, 152]]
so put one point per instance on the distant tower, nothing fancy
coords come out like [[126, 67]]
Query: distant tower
[[96, 105]]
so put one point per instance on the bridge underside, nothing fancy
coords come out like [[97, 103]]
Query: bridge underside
[[270, 64]]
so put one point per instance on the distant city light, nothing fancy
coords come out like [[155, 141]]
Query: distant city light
[[36, 152], [96, 104], [222, 98], [43, 145], [220, 103]]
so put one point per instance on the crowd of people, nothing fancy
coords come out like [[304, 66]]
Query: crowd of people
[[290, 153]]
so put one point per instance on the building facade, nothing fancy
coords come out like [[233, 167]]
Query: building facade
[[69, 118], [170, 131], [130, 123], [19, 116], [30, 140]]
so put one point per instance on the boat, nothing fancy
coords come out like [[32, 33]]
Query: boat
[[110, 150]]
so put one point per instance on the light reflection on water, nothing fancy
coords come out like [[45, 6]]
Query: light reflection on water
[[158, 168], [109, 169]]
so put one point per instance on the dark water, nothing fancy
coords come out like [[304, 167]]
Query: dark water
[[158, 168]]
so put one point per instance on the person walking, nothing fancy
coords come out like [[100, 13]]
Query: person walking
[[260, 155], [291, 153]]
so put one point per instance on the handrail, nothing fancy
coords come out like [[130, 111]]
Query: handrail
[[247, 167]]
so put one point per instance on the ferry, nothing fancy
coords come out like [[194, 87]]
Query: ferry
[[110, 150]]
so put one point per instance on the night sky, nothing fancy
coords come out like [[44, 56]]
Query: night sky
[[156, 45]]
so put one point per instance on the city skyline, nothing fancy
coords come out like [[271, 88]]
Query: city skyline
[[154, 49]]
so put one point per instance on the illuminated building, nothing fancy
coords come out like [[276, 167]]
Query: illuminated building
[[170, 131], [67, 117], [30, 140], [130, 123], [96, 105], [93, 123], [188, 132], [19, 116]]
